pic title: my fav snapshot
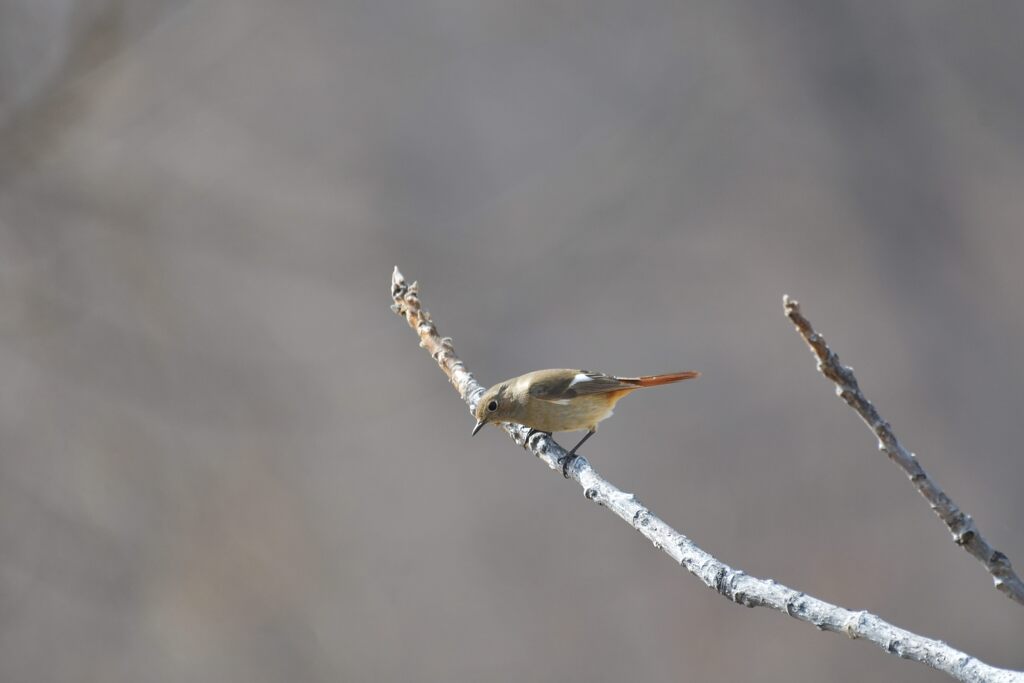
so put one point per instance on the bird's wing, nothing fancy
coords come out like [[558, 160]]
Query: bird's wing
[[564, 386]]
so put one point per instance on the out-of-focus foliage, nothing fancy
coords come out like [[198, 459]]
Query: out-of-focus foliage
[[224, 459]]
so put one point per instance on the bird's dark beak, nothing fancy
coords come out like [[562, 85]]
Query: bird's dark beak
[[479, 425]]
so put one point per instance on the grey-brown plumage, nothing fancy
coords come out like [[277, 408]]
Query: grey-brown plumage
[[562, 400]]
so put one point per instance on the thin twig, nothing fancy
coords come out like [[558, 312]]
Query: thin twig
[[965, 532], [731, 583]]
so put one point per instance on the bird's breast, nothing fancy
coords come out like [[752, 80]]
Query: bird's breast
[[567, 415]]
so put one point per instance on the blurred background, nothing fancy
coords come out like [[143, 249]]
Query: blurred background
[[224, 459]]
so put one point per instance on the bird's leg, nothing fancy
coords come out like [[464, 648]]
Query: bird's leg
[[572, 454], [585, 437]]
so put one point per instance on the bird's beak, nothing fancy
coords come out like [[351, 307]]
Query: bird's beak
[[479, 425]]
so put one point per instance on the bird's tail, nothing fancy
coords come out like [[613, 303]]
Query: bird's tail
[[657, 380]]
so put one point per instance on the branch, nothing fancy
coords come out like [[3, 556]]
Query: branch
[[965, 532], [729, 582]]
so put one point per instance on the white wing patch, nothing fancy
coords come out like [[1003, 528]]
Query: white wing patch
[[579, 378], [563, 401]]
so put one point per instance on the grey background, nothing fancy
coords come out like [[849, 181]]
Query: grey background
[[224, 459]]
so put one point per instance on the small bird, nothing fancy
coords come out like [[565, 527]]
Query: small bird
[[562, 400]]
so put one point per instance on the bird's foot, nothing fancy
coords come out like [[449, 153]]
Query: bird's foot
[[567, 462], [526, 441], [571, 456]]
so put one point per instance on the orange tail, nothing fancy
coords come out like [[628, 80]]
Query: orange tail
[[657, 380]]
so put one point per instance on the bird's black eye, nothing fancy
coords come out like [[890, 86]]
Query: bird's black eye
[[492, 406]]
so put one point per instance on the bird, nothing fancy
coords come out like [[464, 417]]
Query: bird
[[562, 400]]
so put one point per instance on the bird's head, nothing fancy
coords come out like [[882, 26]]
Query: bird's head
[[495, 405]]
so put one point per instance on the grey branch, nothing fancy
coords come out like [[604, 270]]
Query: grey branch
[[731, 583], [965, 532]]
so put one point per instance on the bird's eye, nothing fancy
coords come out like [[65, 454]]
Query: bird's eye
[[492, 406]]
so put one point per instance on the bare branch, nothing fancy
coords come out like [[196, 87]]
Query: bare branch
[[965, 532], [731, 583]]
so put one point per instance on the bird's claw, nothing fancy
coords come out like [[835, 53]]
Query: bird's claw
[[567, 461], [526, 441]]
